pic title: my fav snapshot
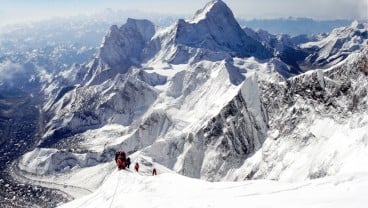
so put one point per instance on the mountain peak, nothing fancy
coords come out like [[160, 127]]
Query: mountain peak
[[215, 8], [126, 41], [357, 25], [215, 28], [144, 27], [121, 49]]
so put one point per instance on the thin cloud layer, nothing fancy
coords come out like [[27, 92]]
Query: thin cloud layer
[[9, 69], [318, 9]]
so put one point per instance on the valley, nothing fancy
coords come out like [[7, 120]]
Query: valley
[[20, 117]]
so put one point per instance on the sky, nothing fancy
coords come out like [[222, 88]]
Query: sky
[[25, 10]]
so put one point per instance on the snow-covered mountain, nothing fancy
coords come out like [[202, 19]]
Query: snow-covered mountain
[[53, 50], [215, 28], [206, 99], [302, 53], [317, 124], [294, 26], [134, 44], [284, 47], [337, 45], [120, 50]]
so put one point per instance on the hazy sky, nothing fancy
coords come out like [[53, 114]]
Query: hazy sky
[[20, 10]]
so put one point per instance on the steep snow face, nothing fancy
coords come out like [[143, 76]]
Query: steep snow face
[[121, 49], [337, 45], [227, 139]]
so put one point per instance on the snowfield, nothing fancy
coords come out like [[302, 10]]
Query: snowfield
[[130, 189]]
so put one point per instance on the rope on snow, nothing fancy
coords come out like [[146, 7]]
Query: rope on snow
[[113, 197]]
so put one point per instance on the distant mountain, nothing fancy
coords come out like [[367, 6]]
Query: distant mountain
[[294, 26], [214, 27], [305, 52], [54, 50], [336, 46]]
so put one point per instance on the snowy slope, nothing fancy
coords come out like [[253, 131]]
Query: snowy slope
[[127, 189]]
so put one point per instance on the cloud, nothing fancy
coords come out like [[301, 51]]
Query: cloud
[[8, 70], [24, 11]]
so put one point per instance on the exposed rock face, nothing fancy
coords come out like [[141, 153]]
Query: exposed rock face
[[307, 116], [337, 92]]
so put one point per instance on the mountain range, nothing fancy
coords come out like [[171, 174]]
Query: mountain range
[[207, 99]]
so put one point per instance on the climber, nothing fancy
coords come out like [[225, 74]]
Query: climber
[[128, 162], [154, 172], [120, 159], [136, 167], [120, 163], [121, 153]]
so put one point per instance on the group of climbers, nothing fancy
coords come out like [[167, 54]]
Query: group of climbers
[[123, 162]]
